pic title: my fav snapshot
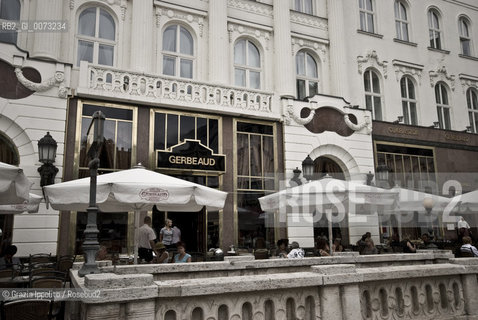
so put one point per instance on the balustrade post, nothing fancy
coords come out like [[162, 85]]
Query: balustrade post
[[470, 293]]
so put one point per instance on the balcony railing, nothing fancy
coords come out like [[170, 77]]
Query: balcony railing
[[129, 85]]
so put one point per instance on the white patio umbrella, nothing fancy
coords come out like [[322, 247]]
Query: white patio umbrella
[[411, 200], [30, 206], [14, 185], [467, 200], [136, 189]]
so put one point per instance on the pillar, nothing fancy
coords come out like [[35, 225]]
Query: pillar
[[141, 36], [284, 78], [218, 42], [470, 294], [330, 304], [47, 45]]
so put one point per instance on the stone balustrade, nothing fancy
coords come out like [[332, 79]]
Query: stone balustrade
[[104, 81], [434, 285]]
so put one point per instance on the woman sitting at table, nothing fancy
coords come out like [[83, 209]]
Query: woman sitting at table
[[8, 260], [162, 256], [181, 256]]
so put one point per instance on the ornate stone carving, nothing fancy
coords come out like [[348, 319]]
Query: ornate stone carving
[[309, 20], [261, 35], [442, 75], [72, 4], [293, 114], [372, 60], [356, 127], [123, 6], [317, 47], [467, 82], [179, 15], [58, 78], [402, 69], [157, 12], [251, 6]]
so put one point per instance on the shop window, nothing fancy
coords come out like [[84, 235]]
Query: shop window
[[9, 11], [472, 102], [304, 6], [178, 52], [307, 75], [367, 16], [96, 37], [434, 30], [247, 64], [373, 97], [465, 38], [443, 106], [409, 101], [401, 20]]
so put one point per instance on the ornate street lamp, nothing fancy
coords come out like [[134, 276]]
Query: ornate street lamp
[[428, 204], [308, 168], [95, 137], [47, 153]]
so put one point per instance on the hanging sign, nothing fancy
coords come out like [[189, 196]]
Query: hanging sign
[[191, 155]]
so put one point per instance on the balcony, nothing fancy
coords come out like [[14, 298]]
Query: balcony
[[136, 87]]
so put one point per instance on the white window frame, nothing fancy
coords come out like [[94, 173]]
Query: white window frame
[[464, 22], [434, 30], [6, 20], [441, 106], [177, 55], [366, 13], [373, 94], [96, 40], [407, 100], [246, 66], [472, 108], [401, 22], [299, 5], [306, 78]]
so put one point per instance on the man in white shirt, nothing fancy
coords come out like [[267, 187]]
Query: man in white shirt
[[467, 247], [176, 235], [146, 240]]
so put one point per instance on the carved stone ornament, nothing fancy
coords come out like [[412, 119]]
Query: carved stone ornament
[[72, 4], [442, 75], [251, 6], [309, 20], [292, 114], [123, 6], [468, 83], [402, 70], [58, 78], [367, 124], [183, 16], [372, 60], [260, 35], [319, 48]]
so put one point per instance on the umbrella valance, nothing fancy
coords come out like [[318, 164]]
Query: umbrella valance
[[14, 185], [30, 206]]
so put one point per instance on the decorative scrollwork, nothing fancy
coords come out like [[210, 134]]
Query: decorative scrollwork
[[303, 121], [356, 127], [45, 85]]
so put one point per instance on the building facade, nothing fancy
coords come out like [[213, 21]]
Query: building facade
[[260, 84]]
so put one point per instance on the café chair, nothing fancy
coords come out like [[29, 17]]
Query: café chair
[[26, 310], [47, 282], [40, 258]]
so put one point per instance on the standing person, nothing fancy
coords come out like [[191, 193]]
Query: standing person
[[8, 260], [146, 240], [181, 256], [166, 234], [176, 234], [463, 228]]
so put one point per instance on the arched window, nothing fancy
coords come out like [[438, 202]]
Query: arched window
[[96, 37], [373, 97], [247, 65], [472, 102], [304, 6], [367, 16], [443, 106], [401, 21], [178, 52], [9, 11], [409, 101], [434, 30], [465, 38], [307, 75]]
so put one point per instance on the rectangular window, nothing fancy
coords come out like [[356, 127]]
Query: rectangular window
[[366, 16]]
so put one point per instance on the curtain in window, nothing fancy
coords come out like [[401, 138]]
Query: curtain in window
[[169, 39], [107, 26], [87, 22], [85, 51]]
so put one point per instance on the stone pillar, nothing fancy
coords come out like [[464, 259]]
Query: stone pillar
[[284, 73], [103, 311], [470, 294], [330, 304], [140, 310], [351, 302], [141, 36], [218, 42], [47, 44], [338, 58]]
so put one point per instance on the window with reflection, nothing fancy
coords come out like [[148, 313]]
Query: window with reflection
[[247, 64], [472, 102], [9, 11], [255, 149], [307, 75], [367, 16], [434, 30], [409, 101], [465, 38], [304, 6], [96, 37], [401, 21], [178, 52], [116, 152], [443, 106], [373, 97]]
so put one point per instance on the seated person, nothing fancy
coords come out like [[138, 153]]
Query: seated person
[[322, 248], [181, 256], [162, 256], [337, 246], [8, 260], [361, 243], [427, 244], [296, 252], [102, 254], [281, 250], [369, 247], [408, 246], [467, 247]]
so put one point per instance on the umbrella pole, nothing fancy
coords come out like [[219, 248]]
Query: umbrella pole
[[328, 212], [136, 236]]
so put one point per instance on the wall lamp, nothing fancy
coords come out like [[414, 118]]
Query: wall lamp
[[468, 129], [47, 153], [399, 120], [435, 125], [308, 168]]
